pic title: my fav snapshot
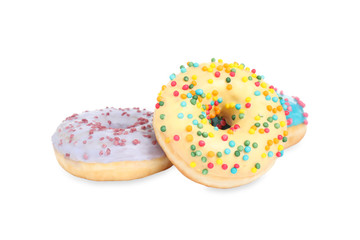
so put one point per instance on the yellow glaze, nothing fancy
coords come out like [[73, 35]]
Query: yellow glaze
[[176, 133]]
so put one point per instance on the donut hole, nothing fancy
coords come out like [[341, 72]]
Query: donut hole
[[118, 126], [220, 122], [126, 123], [225, 120]]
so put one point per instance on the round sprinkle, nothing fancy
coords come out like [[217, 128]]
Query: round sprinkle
[[163, 128], [176, 137], [247, 149], [227, 151], [183, 104], [189, 138], [172, 76], [210, 154], [199, 91], [205, 171], [233, 170], [180, 115], [224, 137], [245, 157], [257, 93], [232, 143], [201, 143], [188, 128]]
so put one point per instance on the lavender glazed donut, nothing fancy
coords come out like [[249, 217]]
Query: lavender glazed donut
[[109, 144]]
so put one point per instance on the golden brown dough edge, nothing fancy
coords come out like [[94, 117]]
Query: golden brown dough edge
[[215, 182], [296, 133], [116, 171]]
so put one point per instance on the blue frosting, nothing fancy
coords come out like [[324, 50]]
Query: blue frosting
[[297, 113]]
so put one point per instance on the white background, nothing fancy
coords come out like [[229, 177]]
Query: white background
[[63, 57]]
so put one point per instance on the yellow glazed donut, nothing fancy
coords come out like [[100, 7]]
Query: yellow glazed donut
[[220, 124]]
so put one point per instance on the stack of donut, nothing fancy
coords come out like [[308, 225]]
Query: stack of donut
[[220, 124]]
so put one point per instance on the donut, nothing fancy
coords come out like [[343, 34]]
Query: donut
[[109, 144], [220, 124], [296, 118]]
